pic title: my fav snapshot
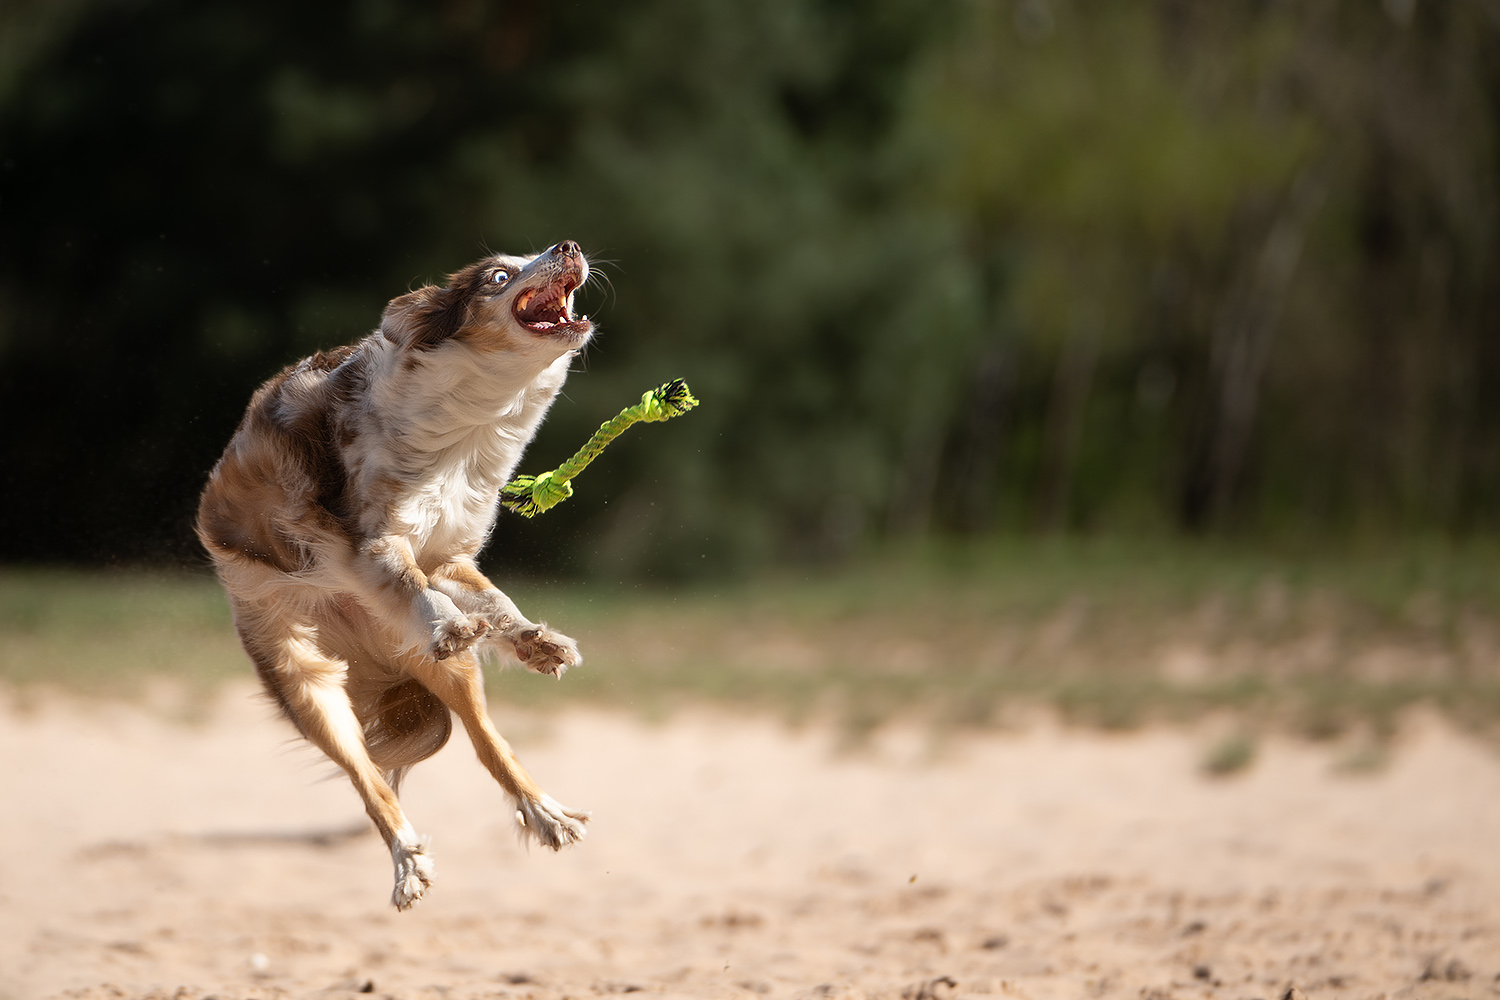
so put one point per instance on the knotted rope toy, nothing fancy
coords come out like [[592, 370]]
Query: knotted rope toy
[[530, 495]]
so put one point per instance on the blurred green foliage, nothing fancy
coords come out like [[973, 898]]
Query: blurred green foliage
[[949, 267]]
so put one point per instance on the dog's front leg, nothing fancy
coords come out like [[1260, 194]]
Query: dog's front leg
[[532, 644], [431, 623]]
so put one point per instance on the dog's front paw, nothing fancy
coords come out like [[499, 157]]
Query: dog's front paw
[[551, 823], [454, 635], [545, 651], [414, 872]]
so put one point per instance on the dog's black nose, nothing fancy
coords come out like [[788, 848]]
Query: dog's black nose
[[567, 248]]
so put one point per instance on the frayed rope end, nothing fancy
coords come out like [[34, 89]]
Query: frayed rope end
[[530, 495]]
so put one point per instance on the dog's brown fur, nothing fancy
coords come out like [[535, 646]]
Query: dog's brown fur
[[346, 514]]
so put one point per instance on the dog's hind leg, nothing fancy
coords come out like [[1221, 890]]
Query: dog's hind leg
[[459, 682], [310, 685]]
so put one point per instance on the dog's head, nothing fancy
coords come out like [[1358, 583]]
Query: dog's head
[[502, 303]]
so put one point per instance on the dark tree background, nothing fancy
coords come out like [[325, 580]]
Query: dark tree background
[[933, 267]]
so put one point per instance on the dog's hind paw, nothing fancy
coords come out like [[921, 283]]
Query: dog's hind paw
[[550, 822], [414, 872]]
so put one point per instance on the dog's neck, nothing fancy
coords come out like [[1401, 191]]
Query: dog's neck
[[481, 407]]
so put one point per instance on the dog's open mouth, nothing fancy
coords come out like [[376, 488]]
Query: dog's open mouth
[[550, 309]]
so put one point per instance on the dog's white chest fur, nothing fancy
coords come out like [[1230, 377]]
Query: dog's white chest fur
[[451, 509], [448, 440]]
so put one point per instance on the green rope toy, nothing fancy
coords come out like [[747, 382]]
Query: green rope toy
[[530, 495]]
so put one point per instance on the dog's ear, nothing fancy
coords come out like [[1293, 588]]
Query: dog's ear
[[424, 318]]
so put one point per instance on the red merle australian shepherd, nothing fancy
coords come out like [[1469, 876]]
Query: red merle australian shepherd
[[346, 513]]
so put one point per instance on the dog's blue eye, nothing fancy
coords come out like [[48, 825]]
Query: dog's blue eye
[[500, 277]]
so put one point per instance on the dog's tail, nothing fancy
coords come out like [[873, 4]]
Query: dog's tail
[[407, 725]]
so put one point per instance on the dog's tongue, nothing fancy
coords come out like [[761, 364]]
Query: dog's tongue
[[544, 308]]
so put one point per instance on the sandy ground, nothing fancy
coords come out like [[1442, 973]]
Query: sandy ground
[[143, 857]]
